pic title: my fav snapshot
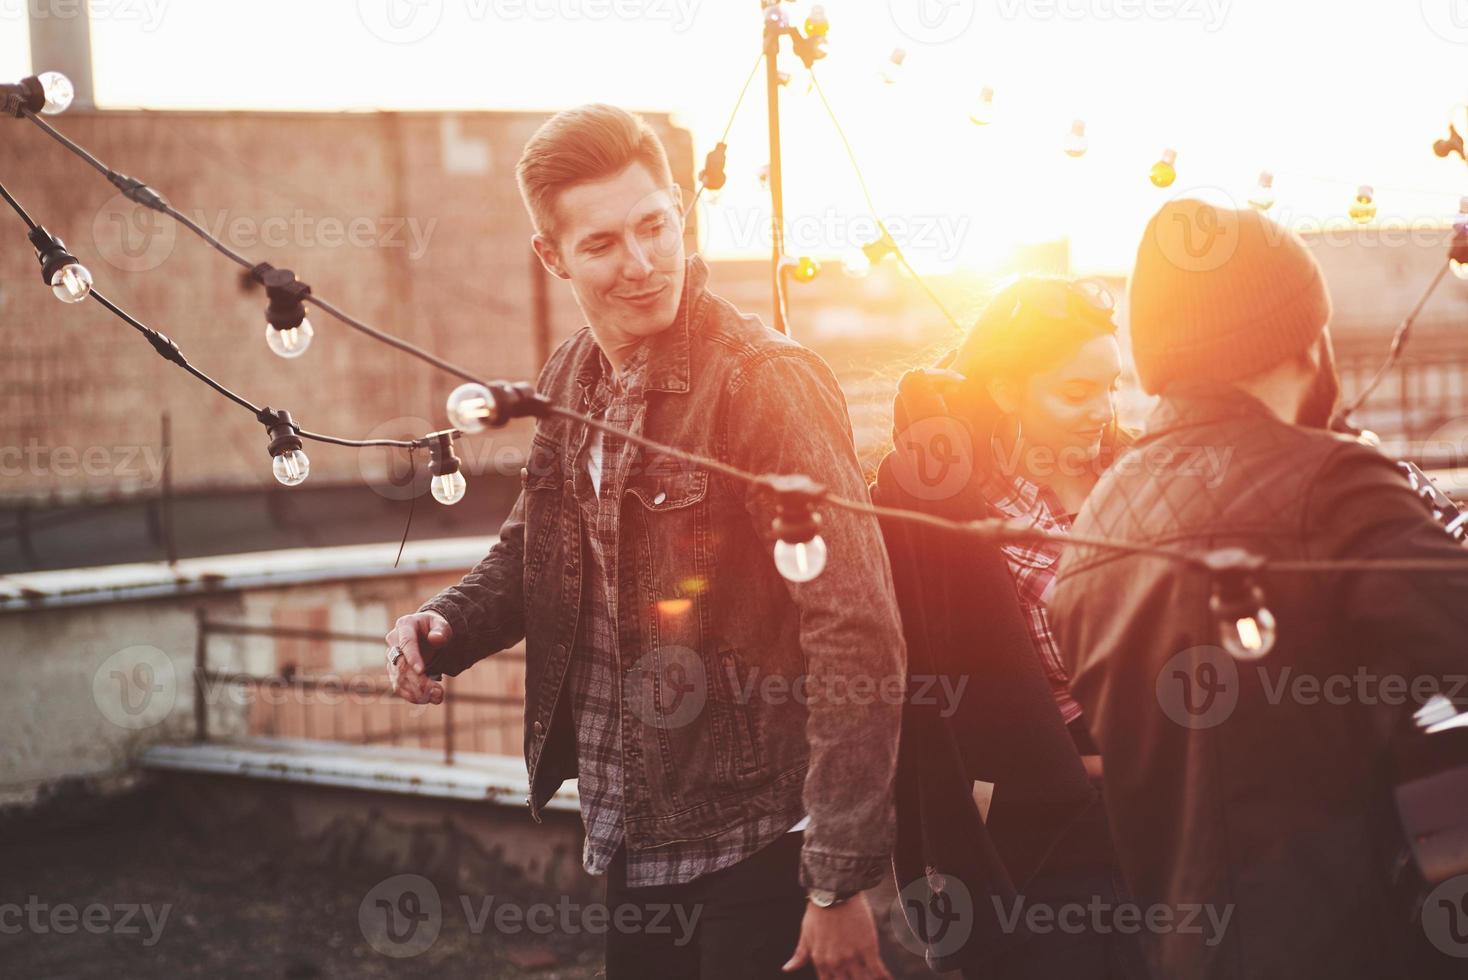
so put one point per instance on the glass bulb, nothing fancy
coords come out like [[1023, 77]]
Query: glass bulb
[[1263, 197], [806, 269], [292, 342], [1076, 142], [1459, 266], [892, 70], [801, 562], [983, 113], [1363, 209], [1164, 171], [448, 488], [1249, 637], [817, 24], [291, 468], [856, 263], [59, 92], [72, 283], [469, 406]]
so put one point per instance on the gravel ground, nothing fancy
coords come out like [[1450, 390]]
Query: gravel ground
[[127, 889]]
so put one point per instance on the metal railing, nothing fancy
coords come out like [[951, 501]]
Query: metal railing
[[355, 689]]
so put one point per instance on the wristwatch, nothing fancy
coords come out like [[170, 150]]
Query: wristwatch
[[823, 899]]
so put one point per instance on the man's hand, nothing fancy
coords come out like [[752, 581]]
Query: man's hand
[[406, 675], [840, 942]]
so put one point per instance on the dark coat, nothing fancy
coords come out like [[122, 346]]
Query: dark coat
[[1228, 785], [964, 626]]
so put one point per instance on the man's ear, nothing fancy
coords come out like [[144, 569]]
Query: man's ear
[[1003, 393], [550, 256]]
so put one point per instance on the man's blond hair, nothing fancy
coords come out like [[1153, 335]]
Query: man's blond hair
[[588, 143]]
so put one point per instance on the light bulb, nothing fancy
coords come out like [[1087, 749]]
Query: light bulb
[[290, 342], [1164, 171], [72, 283], [1076, 141], [469, 406], [59, 92], [291, 468], [856, 263], [1248, 637], [1458, 262], [817, 24], [983, 113], [806, 269], [801, 562], [1263, 197], [892, 70], [449, 488], [1363, 209]]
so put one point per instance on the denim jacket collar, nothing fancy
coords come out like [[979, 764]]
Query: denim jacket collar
[[668, 360]]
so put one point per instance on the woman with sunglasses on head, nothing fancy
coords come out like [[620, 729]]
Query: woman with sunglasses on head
[[1017, 423]]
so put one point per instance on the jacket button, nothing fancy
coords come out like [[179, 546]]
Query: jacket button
[[539, 730], [658, 500]]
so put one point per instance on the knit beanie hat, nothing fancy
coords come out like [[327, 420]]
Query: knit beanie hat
[[1219, 294]]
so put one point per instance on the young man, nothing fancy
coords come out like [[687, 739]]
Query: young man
[[667, 662], [1249, 795]]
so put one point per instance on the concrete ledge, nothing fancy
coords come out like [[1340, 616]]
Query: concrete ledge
[[498, 779]]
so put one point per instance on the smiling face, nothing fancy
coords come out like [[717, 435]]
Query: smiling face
[[1067, 408], [619, 242]]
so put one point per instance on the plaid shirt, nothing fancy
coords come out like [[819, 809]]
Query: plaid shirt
[[1033, 565], [594, 668]]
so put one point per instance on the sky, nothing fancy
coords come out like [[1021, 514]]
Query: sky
[[1326, 95]]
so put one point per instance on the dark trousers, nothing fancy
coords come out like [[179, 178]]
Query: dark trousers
[[1084, 953], [747, 920]]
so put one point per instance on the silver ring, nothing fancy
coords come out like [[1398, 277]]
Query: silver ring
[[397, 654]]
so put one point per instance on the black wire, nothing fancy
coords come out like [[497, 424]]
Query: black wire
[[229, 253], [872, 206], [728, 127], [24, 216], [1399, 341], [412, 499]]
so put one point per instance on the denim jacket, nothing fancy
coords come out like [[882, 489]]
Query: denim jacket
[[744, 695]]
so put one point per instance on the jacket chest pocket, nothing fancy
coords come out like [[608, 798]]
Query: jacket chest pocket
[[668, 542]]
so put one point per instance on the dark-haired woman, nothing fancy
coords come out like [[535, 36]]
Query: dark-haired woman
[[1016, 423]]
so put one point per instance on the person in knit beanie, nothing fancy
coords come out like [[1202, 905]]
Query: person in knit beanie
[[1229, 788], [1220, 294]]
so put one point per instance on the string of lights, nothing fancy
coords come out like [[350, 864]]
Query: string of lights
[[288, 331], [1247, 627]]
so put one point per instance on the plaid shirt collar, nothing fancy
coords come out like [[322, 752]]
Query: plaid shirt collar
[[599, 384], [1019, 498]]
